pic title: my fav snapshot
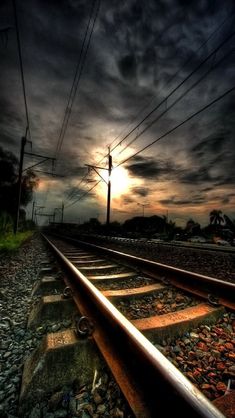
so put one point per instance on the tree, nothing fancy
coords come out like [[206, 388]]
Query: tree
[[193, 227], [216, 217], [229, 223], [9, 166]]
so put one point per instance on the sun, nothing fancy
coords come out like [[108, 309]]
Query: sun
[[120, 182]]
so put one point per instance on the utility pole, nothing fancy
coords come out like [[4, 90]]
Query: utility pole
[[109, 169], [109, 188], [23, 143], [19, 186], [33, 211], [62, 212], [143, 206]]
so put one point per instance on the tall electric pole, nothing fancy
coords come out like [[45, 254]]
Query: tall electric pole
[[19, 183], [33, 210], [62, 212], [109, 188], [109, 169], [23, 143]]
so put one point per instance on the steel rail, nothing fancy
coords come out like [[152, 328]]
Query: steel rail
[[217, 286], [185, 392], [185, 245]]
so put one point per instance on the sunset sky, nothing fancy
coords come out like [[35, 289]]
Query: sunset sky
[[136, 60]]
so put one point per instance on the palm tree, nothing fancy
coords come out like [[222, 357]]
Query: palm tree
[[216, 217]]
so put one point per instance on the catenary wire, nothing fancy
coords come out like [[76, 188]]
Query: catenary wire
[[75, 77], [84, 194], [191, 87], [21, 68], [69, 110], [168, 82], [172, 92], [178, 126], [74, 87], [185, 63], [177, 100], [74, 190]]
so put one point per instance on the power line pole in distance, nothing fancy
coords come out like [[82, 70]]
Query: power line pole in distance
[[23, 143], [109, 169]]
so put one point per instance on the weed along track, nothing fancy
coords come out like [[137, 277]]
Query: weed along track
[[128, 337]]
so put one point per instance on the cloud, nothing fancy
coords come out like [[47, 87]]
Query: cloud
[[141, 191], [126, 199], [174, 201], [147, 167], [195, 176], [127, 66], [135, 50]]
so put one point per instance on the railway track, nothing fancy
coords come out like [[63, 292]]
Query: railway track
[[121, 300]]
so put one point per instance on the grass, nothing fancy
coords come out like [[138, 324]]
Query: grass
[[11, 242]]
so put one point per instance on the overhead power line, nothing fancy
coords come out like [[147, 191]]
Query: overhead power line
[[83, 195], [78, 73], [76, 79], [179, 98], [171, 93], [171, 79], [74, 190], [178, 126], [21, 67], [168, 82]]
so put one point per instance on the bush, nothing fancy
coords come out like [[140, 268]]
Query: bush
[[11, 242]]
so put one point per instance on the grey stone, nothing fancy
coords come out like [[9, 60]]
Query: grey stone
[[61, 413], [35, 413]]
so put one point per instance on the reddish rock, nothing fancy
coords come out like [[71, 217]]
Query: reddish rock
[[202, 346], [221, 366], [221, 387], [229, 346]]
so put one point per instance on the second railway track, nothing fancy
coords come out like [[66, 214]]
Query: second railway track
[[176, 310]]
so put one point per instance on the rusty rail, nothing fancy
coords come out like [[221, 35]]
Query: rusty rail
[[162, 386]]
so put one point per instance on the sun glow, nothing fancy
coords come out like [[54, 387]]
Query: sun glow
[[120, 182]]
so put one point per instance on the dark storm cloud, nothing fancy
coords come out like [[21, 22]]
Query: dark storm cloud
[[70, 165], [147, 167], [136, 47], [210, 145], [9, 116], [195, 176], [141, 191], [143, 167], [214, 154], [127, 66], [126, 199], [7, 141], [174, 201]]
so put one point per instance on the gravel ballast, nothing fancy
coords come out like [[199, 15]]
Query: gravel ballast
[[18, 274], [209, 263]]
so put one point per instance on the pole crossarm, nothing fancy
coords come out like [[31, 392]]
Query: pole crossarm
[[97, 172], [107, 182], [95, 166], [47, 172], [40, 156], [34, 165], [44, 214]]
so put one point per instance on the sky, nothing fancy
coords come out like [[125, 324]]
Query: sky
[[143, 68]]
